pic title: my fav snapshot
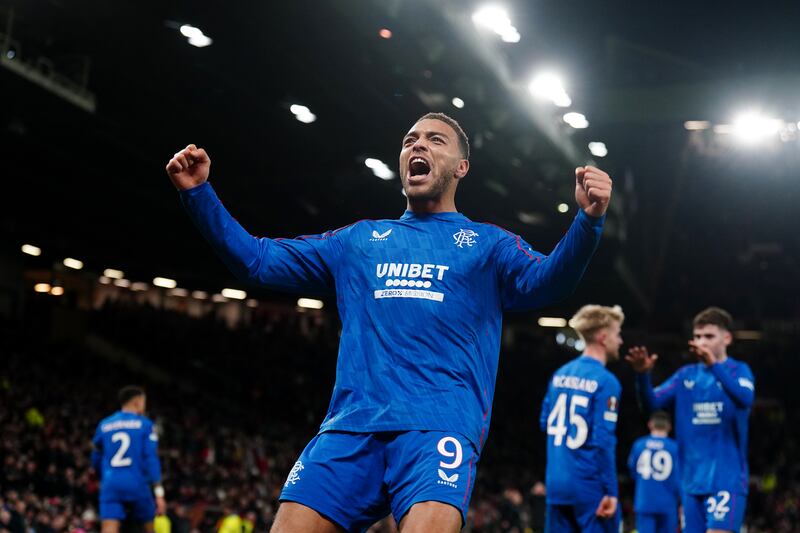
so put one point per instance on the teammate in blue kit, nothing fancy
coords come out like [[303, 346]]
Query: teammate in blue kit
[[579, 414], [653, 463], [126, 459], [711, 400], [421, 301]]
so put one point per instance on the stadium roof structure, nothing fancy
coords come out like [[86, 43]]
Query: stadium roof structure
[[97, 96]]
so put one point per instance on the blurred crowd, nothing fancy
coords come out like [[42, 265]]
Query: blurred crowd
[[235, 406]]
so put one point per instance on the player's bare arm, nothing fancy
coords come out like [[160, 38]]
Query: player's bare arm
[[640, 359], [592, 190], [189, 167]]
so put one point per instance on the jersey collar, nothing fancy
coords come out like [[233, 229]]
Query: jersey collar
[[452, 216]]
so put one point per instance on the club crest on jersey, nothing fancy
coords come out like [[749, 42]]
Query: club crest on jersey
[[612, 403], [377, 237], [688, 383], [465, 236]]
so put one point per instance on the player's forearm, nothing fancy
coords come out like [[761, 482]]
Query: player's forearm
[[241, 252], [741, 390], [645, 392], [557, 275]]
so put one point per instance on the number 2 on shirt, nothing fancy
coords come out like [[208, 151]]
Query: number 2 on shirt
[[119, 459]]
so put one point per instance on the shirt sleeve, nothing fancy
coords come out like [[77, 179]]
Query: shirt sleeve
[[530, 279], [306, 263], [604, 426], [151, 461], [545, 412], [737, 381], [663, 397], [97, 451], [632, 459]]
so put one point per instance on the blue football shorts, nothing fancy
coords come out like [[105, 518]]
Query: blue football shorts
[[657, 522], [721, 510], [115, 507], [579, 518], [355, 479]]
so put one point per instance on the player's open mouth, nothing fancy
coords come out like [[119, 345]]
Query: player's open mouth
[[418, 168]]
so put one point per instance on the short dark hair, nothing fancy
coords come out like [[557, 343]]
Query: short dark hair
[[463, 140], [714, 316], [128, 393], [660, 420]]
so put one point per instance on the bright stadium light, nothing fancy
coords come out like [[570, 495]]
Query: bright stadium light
[[201, 41], [576, 120], [379, 168], [458, 102], [31, 250], [552, 322], [57, 290], [598, 149], [200, 295], [124, 283], [104, 280], [580, 344], [195, 36], [310, 303], [234, 294], [548, 86], [695, 125], [165, 283], [75, 264], [42, 287], [753, 127], [218, 298], [113, 273], [563, 208], [302, 113], [495, 18]]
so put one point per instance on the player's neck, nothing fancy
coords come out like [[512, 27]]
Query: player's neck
[[428, 206], [658, 433], [131, 410], [597, 352], [721, 358]]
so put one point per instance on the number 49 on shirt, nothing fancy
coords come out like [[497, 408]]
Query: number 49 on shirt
[[556, 421]]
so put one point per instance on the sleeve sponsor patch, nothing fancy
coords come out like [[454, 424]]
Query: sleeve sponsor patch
[[610, 417], [746, 383]]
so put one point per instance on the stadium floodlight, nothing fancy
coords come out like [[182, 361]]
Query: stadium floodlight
[[165, 283], [458, 102], [552, 322], [195, 36], [496, 19], [563, 208], [234, 294], [302, 113], [696, 125], [576, 120], [385, 33], [560, 338], [548, 86], [139, 286], [218, 298], [124, 283], [598, 149], [42, 287], [310, 303], [104, 280], [73, 263], [113, 273], [580, 345], [200, 295], [379, 168], [31, 250], [723, 129], [57, 290], [752, 127]]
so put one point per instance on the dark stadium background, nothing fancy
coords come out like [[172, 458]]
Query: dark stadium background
[[700, 217]]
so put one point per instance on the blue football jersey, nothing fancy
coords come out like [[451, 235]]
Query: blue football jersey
[[126, 455], [579, 414], [711, 408], [420, 299], [655, 466]]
